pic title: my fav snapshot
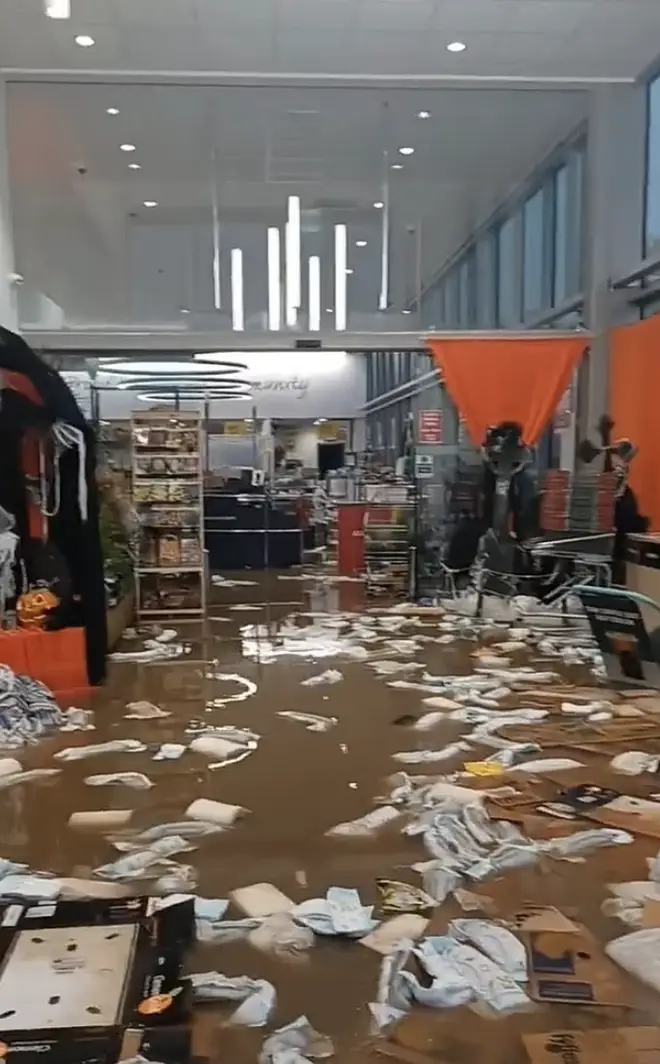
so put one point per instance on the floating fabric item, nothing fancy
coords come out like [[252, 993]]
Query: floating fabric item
[[136, 865], [312, 721], [330, 676], [635, 762], [340, 913], [281, 936], [366, 825], [186, 829], [170, 752], [503, 948], [229, 751], [222, 932], [78, 720], [29, 887], [257, 996], [144, 711], [582, 842], [136, 780], [113, 746], [295, 1044], [421, 757], [460, 973], [28, 777]]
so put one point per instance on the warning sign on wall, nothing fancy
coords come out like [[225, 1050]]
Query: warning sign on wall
[[429, 426]]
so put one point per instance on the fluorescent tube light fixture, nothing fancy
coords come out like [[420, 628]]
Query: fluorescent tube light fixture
[[314, 293], [274, 281], [237, 308], [340, 278], [58, 8], [292, 260]]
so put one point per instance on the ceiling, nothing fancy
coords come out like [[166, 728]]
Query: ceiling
[[505, 38], [84, 237]]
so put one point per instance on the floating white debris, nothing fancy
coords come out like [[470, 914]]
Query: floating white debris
[[330, 676], [212, 812], [429, 720], [261, 900], [170, 752], [257, 996], [635, 762], [249, 688], [101, 819], [113, 746], [78, 720], [295, 1043], [312, 721], [367, 825], [421, 757], [341, 912], [144, 711], [136, 780]]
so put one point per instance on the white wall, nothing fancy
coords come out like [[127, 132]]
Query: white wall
[[8, 314]]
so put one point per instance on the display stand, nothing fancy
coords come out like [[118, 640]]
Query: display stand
[[168, 492]]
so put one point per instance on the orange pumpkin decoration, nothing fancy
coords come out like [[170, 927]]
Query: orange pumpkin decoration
[[33, 606], [153, 1006]]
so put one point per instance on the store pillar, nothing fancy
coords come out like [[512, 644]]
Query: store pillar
[[8, 310], [614, 201]]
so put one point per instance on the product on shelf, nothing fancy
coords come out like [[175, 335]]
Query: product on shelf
[[168, 495]]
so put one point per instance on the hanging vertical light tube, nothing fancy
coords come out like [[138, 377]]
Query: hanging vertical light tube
[[384, 296], [292, 260], [237, 308], [217, 292], [314, 296], [340, 278], [274, 281]]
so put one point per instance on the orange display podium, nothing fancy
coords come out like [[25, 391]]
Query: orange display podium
[[57, 659]]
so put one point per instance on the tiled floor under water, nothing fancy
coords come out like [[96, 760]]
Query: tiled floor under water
[[296, 784]]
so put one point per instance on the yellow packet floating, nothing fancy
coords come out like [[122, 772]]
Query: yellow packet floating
[[484, 768]]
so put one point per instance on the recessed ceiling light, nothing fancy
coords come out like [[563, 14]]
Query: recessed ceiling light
[[456, 46], [112, 111], [127, 147], [84, 41], [58, 8], [328, 310], [406, 151], [150, 203], [134, 166], [397, 166], [184, 310], [360, 243], [349, 271], [379, 205], [406, 311], [423, 114]]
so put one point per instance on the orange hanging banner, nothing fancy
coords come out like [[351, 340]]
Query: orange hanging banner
[[517, 379], [634, 384]]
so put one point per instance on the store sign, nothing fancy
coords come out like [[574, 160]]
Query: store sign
[[429, 426], [423, 466], [330, 430], [236, 428]]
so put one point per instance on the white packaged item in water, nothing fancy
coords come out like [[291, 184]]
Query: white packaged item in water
[[503, 948], [582, 842], [29, 887], [73, 889], [144, 711], [399, 929], [422, 757], [9, 766], [178, 879], [439, 881], [136, 780], [222, 932], [257, 996], [621, 909], [281, 936], [212, 812], [440, 702], [225, 749], [549, 764], [27, 777], [366, 825], [187, 829], [505, 858], [327, 677], [636, 892], [261, 899], [429, 720], [448, 961], [167, 635], [341, 912], [639, 954], [136, 864], [78, 719], [312, 721], [113, 746], [635, 762], [101, 819], [295, 1044], [248, 688], [170, 752]]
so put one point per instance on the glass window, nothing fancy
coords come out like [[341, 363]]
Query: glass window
[[508, 274], [533, 253], [464, 294], [450, 320], [652, 227], [485, 282], [560, 282]]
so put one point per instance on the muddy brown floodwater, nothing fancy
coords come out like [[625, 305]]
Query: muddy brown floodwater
[[297, 785]]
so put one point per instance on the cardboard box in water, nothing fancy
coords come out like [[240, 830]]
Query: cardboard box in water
[[616, 1045], [75, 976], [571, 967]]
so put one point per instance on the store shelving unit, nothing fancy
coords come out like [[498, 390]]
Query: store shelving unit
[[168, 493]]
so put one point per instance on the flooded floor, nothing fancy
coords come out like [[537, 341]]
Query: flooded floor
[[296, 785]]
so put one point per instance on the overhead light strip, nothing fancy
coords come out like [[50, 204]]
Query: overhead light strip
[[292, 260], [58, 8], [237, 308], [314, 296], [217, 291], [384, 296], [274, 281], [340, 278]]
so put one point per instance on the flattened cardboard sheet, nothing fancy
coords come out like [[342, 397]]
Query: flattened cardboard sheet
[[614, 1045], [531, 917], [572, 967]]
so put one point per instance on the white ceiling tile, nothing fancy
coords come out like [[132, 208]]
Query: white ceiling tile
[[154, 13], [321, 15], [378, 15]]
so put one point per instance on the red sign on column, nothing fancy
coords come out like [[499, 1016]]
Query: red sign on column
[[429, 426]]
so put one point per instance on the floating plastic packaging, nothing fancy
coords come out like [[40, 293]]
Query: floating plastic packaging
[[341, 912], [296, 1043], [114, 746], [327, 677], [257, 996]]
